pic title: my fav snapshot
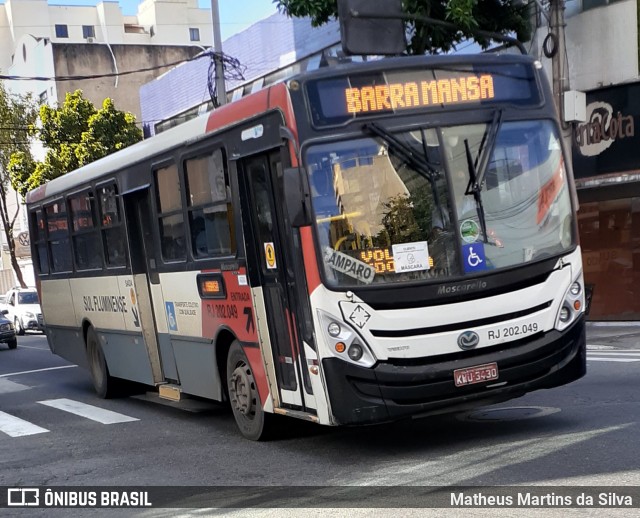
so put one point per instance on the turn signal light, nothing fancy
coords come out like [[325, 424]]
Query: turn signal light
[[341, 347]]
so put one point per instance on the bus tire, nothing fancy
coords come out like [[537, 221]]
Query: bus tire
[[251, 419], [103, 383]]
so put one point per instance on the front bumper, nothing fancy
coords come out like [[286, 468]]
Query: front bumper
[[33, 325], [422, 386], [7, 336]]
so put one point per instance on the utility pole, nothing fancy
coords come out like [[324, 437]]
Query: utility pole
[[559, 55], [217, 48]]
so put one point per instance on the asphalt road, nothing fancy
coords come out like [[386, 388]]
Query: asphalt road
[[583, 434]]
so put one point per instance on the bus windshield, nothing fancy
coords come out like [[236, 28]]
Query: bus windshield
[[403, 207]]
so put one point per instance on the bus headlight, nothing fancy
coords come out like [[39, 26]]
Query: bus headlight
[[334, 329], [344, 342], [572, 305]]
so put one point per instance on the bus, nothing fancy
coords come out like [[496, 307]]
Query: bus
[[357, 244]]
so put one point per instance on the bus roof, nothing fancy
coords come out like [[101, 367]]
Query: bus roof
[[189, 131]]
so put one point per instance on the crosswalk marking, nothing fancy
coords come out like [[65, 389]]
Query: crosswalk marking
[[89, 411], [16, 427]]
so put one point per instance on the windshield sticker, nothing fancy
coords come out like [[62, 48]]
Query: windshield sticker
[[469, 230], [474, 258], [411, 257], [346, 264]]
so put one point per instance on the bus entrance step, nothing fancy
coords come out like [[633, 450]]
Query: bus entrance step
[[186, 403], [169, 392]]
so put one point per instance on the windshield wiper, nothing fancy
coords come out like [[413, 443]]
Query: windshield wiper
[[420, 164], [486, 150], [478, 168]]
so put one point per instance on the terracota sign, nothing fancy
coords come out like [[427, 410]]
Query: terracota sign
[[607, 142]]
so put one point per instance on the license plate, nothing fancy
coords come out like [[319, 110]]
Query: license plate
[[477, 374]]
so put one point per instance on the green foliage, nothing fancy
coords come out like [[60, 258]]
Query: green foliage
[[17, 114], [74, 135], [501, 16]]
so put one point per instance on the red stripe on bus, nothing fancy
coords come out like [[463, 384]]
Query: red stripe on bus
[[279, 98], [309, 257], [254, 356], [236, 111], [235, 311]]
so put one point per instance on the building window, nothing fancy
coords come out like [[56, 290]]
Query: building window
[[88, 31], [43, 97], [62, 31], [194, 34]]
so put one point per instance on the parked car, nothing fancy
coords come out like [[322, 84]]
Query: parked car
[[23, 306], [7, 331]]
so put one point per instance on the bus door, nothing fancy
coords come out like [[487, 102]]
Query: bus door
[[137, 207], [269, 273]]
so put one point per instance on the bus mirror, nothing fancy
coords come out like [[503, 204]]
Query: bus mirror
[[368, 27], [296, 198]]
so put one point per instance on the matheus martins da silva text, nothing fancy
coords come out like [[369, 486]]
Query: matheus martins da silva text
[[604, 499]]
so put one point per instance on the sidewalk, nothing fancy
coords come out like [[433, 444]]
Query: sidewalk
[[617, 334]]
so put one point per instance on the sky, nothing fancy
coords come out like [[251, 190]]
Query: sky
[[235, 15]]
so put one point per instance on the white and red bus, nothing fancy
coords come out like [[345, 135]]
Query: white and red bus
[[358, 244]]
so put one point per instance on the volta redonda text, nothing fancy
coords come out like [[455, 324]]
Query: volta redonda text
[[415, 94]]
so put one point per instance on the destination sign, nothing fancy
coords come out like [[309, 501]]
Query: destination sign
[[337, 100], [414, 94]]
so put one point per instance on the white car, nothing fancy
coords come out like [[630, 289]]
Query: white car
[[23, 306]]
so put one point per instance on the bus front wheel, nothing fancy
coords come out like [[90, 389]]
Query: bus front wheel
[[253, 422], [104, 384]]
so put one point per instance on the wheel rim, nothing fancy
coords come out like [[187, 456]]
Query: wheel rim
[[242, 391]]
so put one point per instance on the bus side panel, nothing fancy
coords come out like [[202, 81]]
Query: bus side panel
[[193, 351], [57, 307], [106, 304]]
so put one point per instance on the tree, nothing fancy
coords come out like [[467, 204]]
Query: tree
[[74, 135], [501, 16], [17, 114]]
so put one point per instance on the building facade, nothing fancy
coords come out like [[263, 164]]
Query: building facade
[[603, 55], [268, 51], [47, 41]]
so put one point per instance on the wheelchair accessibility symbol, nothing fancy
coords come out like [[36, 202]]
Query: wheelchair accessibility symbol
[[474, 258], [171, 316]]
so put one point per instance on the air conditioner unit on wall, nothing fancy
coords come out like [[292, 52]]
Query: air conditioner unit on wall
[[90, 39]]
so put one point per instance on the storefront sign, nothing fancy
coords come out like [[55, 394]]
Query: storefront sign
[[607, 141]]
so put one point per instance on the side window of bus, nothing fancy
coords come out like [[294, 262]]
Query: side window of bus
[[40, 240], [170, 218], [87, 249], [209, 206], [113, 237], [58, 236]]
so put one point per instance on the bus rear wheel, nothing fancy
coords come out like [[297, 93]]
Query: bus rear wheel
[[104, 384], [251, 419]]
